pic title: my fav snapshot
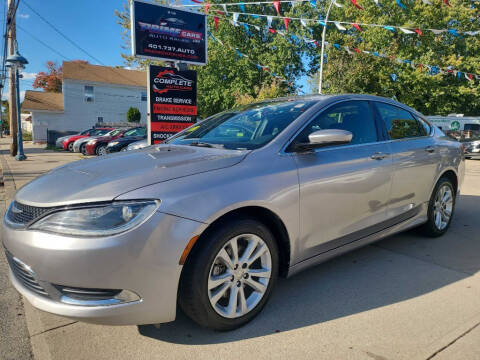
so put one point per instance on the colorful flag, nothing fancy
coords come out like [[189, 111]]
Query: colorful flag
[[286, 21], [276, 5], [356, 27], [354, 2], [340, 26], [399, 3], [269, 21], [407, 31], [242, 7], [215, 20]]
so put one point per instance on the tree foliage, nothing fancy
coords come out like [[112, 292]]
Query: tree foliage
[[133, 115], [51, 79], [428, 93]]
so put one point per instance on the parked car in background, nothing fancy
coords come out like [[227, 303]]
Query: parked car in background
[[68, 142], [210, 219], [80, 144], [136, 145], [471, 143], [59, 141], [128, 137], [98, 145]]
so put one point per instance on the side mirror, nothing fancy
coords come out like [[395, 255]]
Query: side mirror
[[323, 138]]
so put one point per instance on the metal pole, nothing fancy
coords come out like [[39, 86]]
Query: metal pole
[[12, 84], [20, 155], [323, 47]]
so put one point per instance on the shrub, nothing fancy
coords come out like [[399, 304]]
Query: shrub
[[133, 115]]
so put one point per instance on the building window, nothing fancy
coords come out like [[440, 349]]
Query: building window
[[144, 96], [100, 119], [89, 93]]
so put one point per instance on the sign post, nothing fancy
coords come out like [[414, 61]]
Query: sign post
[[170, 35], [172, 101]]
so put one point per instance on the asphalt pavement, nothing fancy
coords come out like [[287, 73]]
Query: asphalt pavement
[[406, 297]]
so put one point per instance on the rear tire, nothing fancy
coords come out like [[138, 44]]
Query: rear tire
[[440, 209], [70, 147], [209, 273]]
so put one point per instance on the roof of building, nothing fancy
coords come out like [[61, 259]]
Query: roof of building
[[104, 74], [40, 100]]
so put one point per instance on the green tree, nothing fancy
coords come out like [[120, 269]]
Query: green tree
[[134, 115], [430, 94], [228, 75]]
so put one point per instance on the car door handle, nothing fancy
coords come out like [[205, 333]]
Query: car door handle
[[430, 149], [379, 156]]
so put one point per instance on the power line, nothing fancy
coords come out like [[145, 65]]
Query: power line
[[43, 43], [62, 34]]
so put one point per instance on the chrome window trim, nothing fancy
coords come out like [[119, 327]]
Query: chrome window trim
[[292, 153]]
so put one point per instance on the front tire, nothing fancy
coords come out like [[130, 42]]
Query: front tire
[[70, 147], [83, 150], [101, 150], [440, 209], [229, 275]]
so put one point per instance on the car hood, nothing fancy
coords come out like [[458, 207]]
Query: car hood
[[106, 177], [76, 137], [84, 139], [104, 138]]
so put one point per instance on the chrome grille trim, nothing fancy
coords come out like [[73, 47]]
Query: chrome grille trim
[[24, 274]]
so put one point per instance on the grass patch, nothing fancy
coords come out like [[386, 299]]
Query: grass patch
[[52, 148]]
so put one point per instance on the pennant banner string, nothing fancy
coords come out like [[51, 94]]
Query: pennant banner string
[[405, 29], [447, 70], [293, 2]]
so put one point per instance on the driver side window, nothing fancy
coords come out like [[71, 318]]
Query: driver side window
[[353, 116]]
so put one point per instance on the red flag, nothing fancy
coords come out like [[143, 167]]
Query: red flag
[[207, 7], [420, 66], [215, 19], [316, 43], [470, 76], [276, 5], [197, 1], [446, 2], [419, 32], [391, 57], [354, 2], [357, 50], [273, 31], [219, 12], [356, 27], [286, 21]]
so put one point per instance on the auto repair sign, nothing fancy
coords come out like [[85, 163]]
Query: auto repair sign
[[165, 33], [172, 101]]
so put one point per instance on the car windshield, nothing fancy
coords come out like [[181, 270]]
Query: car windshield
[[245, 128], [113, 132], [100, 132], [135, 132]]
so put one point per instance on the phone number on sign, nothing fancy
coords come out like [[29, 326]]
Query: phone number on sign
[[171, 48]]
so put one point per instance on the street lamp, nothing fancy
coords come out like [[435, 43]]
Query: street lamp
[[17, 62]]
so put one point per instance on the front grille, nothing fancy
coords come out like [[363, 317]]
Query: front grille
[[87, 294], [24, 214], [25, 275]]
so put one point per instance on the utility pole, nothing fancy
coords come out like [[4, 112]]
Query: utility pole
[[12, 84]]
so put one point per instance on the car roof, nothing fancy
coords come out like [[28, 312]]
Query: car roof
[[330, 98]]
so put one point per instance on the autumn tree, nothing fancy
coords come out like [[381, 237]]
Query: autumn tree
[[51, 80]]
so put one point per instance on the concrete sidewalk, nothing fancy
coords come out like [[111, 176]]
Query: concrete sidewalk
[[406, 297]]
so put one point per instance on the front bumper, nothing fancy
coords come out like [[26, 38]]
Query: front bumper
[[90, 149], [115, 148], [142, 261], [76, 146]]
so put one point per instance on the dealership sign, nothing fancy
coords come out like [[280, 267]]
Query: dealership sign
[[165, 33], [172, 101]]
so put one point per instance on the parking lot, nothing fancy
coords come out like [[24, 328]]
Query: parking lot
[[405, 297]]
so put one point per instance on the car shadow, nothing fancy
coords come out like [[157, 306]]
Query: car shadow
[[393, 270]]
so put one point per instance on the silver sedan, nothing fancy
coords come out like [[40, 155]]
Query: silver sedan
[[211, 218]]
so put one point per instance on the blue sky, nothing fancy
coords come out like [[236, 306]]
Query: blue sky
[[90, 23]]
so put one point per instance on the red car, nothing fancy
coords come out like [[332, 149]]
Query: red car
[[98, 145], [68, 142]]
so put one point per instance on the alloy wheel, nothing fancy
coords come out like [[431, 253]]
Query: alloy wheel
[[239, 275], [102, 150], [443, 207]]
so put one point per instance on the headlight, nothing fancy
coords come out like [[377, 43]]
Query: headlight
[[91, 142], [100, 220], [113, 143]]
